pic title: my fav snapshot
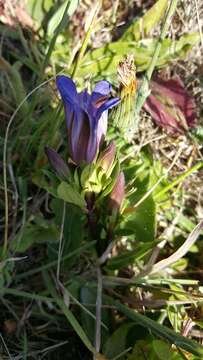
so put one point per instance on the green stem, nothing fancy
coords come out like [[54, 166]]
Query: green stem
[[54, 262], [144, 88], [26, 295], [59, 28], [87, 37], [5, 182], [178, 180]]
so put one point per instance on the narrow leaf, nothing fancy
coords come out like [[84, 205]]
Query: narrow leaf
[[58, 15], [145, 24], [161, 330], [104, 61], [182, 251], [68, 313]]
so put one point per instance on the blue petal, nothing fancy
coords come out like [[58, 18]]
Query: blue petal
[[102, 127], [93, 144], [107, 105], [84, 99], [67, 89], [80, 133], [100, 93], [102, 87], [69, 112]]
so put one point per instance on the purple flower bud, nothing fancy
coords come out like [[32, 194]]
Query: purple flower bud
[[86, 117], [171, 106], [118, 193], [57, 163], [107, 157]]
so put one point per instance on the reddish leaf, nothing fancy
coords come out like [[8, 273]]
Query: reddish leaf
[[171, 106]]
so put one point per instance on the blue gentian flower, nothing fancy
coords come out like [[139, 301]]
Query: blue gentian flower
[[86, 117]]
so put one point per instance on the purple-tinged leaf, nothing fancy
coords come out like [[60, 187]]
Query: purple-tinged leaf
[[170, 105], [107, 157], [117, 195]]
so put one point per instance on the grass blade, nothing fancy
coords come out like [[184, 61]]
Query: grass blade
[[161, 330], [68, 314], [183, 249]]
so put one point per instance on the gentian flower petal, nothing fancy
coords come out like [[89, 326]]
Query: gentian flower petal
[[69, 112], [80, 134], [67, 89], [92, 143], [84, 99], [100, 93], [103, 87], [102, 127], [109, 104], [102, 117]]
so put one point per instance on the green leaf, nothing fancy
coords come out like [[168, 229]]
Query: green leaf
[[89, 296], [15, 83], [104, 61], [40, 180], [162, 350], [37, 9], [128, 257], [155, 350], [116, 343], [67, 193], [111, 181], [141, 351], [60, 24], [142, 222], [33, 234], [76, 326], [58, 15], [73, 230], [68, 313], [145, 24], [175, 316], [179, 179], [161, 330]]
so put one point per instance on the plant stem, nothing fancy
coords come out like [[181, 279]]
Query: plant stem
[[60, 241], [83, 48], [144, 88], [57, 31], [98, 312], [5, 245]]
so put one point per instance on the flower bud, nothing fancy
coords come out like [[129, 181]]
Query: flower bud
[[107, 157], [117, 195], [57, 163]]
